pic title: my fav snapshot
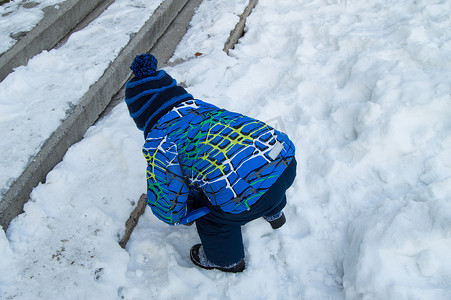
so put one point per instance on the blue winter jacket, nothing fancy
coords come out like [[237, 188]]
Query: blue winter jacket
[[196, 146]]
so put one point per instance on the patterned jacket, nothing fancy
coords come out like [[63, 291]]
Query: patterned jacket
[[232, 158]]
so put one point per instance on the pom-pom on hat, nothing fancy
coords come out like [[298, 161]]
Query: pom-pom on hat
[[144, 65], [150, 93]]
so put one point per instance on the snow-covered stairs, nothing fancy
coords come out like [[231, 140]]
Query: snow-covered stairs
[[58, 39], [57, 22]]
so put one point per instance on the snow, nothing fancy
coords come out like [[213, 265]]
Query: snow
[[19, 17], [361, 87], [411, 251]]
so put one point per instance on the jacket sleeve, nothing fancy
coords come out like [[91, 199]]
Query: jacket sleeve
[[167, 190]]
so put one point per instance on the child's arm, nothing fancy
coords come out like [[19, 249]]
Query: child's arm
[[167, 191]]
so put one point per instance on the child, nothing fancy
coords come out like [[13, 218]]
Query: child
[[199, 155]]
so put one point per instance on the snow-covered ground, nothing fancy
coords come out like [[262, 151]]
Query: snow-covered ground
[[362, 88]]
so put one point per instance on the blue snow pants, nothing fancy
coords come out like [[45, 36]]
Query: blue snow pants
[[220, 232]]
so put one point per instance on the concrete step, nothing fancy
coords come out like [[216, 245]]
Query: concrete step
[[57, 22]]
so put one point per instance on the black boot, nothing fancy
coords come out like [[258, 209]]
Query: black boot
[[199, 258], [277, 220]]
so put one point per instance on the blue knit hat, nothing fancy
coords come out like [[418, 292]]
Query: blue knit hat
[[151, 93]]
